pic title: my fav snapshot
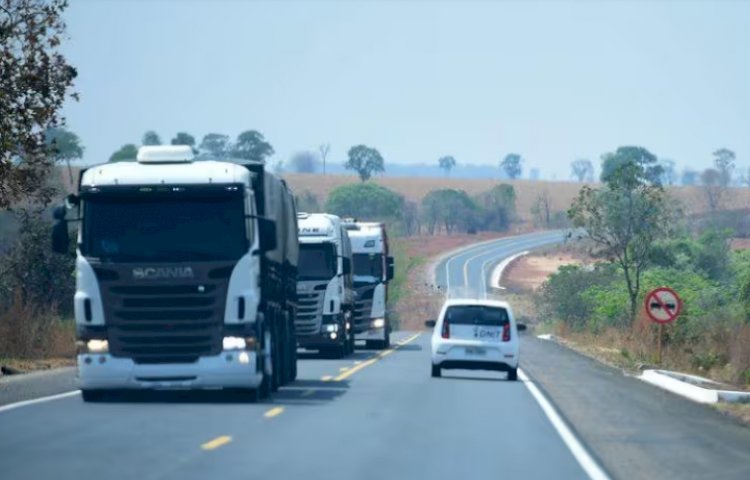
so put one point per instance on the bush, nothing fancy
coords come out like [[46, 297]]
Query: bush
[[31, 273], [451, 209], [365, 201], [308, 202], [562, 295]]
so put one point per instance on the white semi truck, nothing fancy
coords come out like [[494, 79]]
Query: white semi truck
[[324, 288], [373, 269], [186, 275]]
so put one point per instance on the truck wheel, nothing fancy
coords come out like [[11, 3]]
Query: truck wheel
[[436, 371], [91, 396], [387, 341], [513, 374]]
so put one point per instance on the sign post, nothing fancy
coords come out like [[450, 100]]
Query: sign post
[[663, 306]]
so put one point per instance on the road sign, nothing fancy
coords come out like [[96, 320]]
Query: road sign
[[663, 305]]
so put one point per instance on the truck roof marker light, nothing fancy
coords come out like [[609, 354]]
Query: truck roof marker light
[[165, 154]]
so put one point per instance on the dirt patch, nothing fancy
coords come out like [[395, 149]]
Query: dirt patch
[[15, 366], [527, 273], [740, 244]]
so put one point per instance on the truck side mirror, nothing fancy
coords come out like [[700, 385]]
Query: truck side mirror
[[60, 234], [430, 323], [346, 264], [267, 234], [390, 269]]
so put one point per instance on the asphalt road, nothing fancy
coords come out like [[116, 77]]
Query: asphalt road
[[380, 415]]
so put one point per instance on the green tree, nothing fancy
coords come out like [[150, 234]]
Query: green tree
[[308, 202], [304, 162], [151, 138], [669, 174], [724, 162], [64, 146], [582, 170], [497, 207], [183, 138], [625, 218], [634, 165], [713, 187], [447, 163], [511, 165], [35, 81], [126, 153], [251, 145], [365, 161], [215, 144], [366, 201], [454, 209]]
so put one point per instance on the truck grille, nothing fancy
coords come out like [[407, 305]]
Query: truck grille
[[309, 310], [363, 307], [158, 323]]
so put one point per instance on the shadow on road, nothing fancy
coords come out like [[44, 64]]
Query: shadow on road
[[300, 392], [502, 378], [409, 347], [311, 355]]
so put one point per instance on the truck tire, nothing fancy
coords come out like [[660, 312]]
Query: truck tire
[[91, 396], [512, 374]]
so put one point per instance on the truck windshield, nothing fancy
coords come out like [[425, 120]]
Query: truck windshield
[[368, 265], [164, 229], [317, 261]]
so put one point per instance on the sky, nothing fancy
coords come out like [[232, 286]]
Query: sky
[[553, 81]]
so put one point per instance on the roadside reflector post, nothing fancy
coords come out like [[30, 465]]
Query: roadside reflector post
[[663, 306]]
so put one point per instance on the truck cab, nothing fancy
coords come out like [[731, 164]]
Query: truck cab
[[180, 272], [372, 269], [324, 287]]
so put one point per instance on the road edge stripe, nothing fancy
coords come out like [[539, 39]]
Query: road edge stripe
[[50, 398], [582, 456]]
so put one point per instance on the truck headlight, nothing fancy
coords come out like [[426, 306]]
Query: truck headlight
[[97, 346], [378, 323], [234, 343], [331, 327]]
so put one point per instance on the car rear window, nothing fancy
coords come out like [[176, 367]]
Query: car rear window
[[476, 315]]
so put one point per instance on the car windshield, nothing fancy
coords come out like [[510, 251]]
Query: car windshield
[[317, 261], [476, 315], [134, 229], [368, 265]]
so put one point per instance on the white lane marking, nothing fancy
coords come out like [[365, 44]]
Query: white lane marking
[[25, 403], [587, 463], [497, 273]]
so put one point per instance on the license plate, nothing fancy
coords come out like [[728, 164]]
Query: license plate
[[487, 333], [475, 351]]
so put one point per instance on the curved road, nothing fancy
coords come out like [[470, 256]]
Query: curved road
[[380, 415]]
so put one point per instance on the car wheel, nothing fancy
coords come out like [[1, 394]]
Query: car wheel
[[513, 374], [436, 371]]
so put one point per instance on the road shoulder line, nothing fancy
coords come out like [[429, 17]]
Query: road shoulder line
[[582, 456], [50, 398]]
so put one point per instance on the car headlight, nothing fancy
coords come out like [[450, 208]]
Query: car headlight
[[378, 323], [234, 343], [97, 346]]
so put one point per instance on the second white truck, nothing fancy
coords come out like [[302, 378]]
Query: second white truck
[[324, 286]]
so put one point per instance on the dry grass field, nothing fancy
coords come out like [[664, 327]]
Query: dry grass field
[[527, 191]]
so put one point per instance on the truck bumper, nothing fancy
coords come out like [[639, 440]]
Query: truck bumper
[[321, 340], [371, 334], [230, 369]]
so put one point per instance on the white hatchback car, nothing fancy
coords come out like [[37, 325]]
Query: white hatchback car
[[475, 335]]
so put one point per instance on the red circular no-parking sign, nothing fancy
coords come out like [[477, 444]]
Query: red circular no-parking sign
[[663, 305]]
